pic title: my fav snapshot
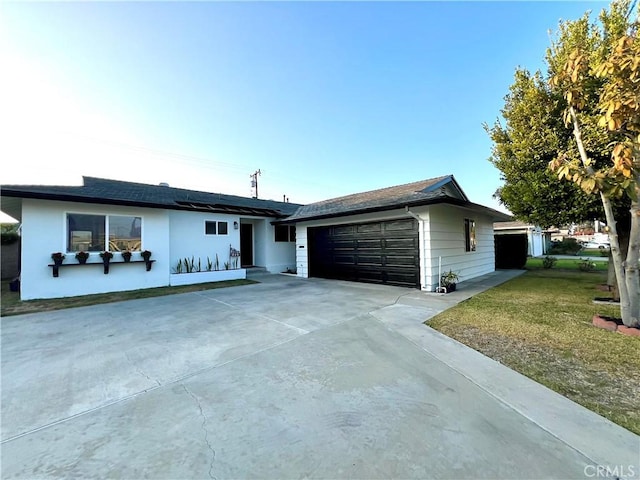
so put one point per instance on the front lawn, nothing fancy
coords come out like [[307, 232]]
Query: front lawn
[[539, 324], [578, 263], [12, 305]]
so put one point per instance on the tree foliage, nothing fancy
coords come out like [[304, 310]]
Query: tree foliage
[[582, 119], [530, 137]]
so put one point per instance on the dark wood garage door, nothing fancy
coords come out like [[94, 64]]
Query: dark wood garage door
[[375, 252]]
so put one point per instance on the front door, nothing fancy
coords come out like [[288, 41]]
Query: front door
[[246, 244]]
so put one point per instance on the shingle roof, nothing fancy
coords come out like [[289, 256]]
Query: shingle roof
[[116, 192], [508, 225], [423, 192]]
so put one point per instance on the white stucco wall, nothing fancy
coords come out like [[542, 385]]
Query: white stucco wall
[[44, 231], [274, 256], [188, 238]]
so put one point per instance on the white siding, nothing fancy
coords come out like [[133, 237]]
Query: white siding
[[302, 251], [44, 232], [446, 241]]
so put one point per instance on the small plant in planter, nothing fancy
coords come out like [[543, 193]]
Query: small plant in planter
[[146, 255], [82, 257], [449, 280], [126, 256], [106, 258], [57, 258]]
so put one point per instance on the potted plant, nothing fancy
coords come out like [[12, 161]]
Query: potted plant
[[448, 280], [106, 258], [82, 257], [126, 256], [57, 258], [146, 255]]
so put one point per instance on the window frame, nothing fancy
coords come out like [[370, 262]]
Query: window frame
[[290, 234], [470, 237], [218, 227], [106, 226]]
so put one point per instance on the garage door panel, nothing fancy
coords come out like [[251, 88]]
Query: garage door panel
[[374, 243], [379, 252], [406, 260], [396, 243], [369, 228], [342, 230]]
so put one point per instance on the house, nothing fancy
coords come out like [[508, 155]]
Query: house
[[174, 224], [405, 235], [537, 239]]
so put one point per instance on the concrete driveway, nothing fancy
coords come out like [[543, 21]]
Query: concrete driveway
[[289, 378]]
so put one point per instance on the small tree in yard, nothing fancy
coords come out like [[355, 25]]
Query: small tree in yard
[[600, 65]]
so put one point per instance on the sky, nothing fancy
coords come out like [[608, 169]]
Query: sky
[[324, 98]]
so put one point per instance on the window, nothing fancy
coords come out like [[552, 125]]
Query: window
[[469, 235], [216, 228], [285, 233], [89, 233]]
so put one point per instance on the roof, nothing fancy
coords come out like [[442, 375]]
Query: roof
[[515, 225], [431, 191], [116, 192]]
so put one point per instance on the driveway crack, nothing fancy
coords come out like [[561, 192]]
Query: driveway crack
[[204, 427], [139, 370]]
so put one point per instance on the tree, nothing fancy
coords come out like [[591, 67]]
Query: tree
[[531, 137], [535, 136], [600, 65]]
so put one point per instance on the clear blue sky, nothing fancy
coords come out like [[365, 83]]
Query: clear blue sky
[[325, 98]]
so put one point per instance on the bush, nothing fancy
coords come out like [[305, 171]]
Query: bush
[[549, 262], [586, 265], [567, 246]]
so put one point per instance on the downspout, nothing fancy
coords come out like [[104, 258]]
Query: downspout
[[421, 247]]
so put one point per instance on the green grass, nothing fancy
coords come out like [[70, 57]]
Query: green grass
[[539, 324], [12, 305], [566, 264]]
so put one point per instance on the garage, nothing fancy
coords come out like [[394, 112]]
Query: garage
[[385, 252]]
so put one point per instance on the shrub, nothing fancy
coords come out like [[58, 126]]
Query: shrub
[[549, 262], [586, 265], [567, 246]]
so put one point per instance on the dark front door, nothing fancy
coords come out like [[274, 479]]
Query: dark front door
[[376, 252], [246, 245]]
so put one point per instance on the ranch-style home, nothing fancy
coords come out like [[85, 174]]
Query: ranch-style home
[[403, 235]]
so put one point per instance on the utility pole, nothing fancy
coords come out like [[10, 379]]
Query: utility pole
[[254, 181]]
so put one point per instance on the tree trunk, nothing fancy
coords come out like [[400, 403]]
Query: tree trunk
[[632, 264], [625, 279]]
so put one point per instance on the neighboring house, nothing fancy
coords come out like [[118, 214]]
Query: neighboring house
[[403, 235], [537, 239], [172, 223]]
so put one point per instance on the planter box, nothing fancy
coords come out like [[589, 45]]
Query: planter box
[[206, 277]]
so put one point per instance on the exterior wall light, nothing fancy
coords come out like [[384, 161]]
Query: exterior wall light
[[235, 225]]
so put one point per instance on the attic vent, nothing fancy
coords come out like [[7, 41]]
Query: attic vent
[[163, 184]]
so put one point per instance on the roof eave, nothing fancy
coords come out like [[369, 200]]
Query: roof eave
[[60, 197]]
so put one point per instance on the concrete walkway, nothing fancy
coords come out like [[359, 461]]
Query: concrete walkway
[[288, 378]]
